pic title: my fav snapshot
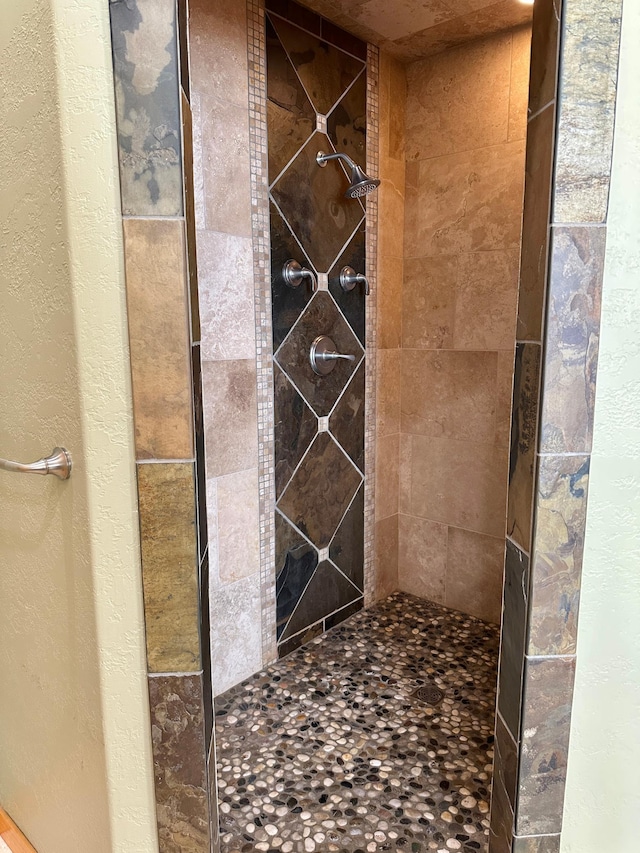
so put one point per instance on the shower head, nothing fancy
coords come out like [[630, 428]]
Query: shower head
[[360, 184]]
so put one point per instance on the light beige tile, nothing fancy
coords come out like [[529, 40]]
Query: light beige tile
[[391, 201], [479, 202], [389, 320], [404, 485], [230, 416], [158, 335], [387, 463], [459, 100], [397, 110], [519, 92], [227, 300], [459, 483], [198, 168], [428, 302], [402, 17], [449, 394], [218, 50], [225, 166], [236, 644], [475, 567], [422, 557], [170, 576], [386, 556], [238, 526], [388, 392], [504, 397], [486, 300]]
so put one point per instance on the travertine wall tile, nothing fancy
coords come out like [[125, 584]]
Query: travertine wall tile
[[459, 99], [475, 566], [387, 475], [422, 557], [486, 297], [158, 335], [388, 369], [238, 530], [168, 542], [236, 644], [519, 88], [429, 302], [230, 416], [386, 556], [218, 48], [179, 754]]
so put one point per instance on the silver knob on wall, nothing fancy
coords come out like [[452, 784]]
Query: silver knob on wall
[[323, 355], [349, 278], [294, 274], [57, 463]]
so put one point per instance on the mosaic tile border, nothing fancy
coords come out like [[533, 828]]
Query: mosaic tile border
[[373, 168], [256, 51]]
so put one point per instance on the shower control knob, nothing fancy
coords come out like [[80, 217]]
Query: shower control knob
[[323, 355], [294, 274], [349, 278]]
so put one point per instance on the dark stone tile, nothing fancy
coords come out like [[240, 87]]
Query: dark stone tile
[[573, 333], [347, 124], [320, 491], [347, 548], [300, 639], [501, 827], [327, 591], [514, 618], [325, 71], [347, 421], [321, 317], [313, 203], [559, 545], [345, 613], [291, 118], [190, 218], [524, 423], [201, 473], [205, 647], [546, 718], [537, 844], [183, 47], [506, 760], [586, 110], [179, 763], [296, 14], [352, 303], [145, 55], [344, 40], [545, 46], [535, 227], [296, 561], [287, 303], [295, 427]]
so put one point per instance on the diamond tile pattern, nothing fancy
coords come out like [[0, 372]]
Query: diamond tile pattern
[[313, 203], [347, 548], [327, 591], [291, 118], [347, 421], [321, 317], [325, 71], [295, 428], [320, 491], [351, 302], [297, 560], [347, 124]]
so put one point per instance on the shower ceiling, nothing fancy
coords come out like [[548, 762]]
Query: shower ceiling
[[410, 29]]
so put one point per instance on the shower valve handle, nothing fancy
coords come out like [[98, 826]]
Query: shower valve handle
[[294, 274], [349, 278], [323, 355]]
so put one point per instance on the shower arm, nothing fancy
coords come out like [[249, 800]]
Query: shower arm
[[323, 159]]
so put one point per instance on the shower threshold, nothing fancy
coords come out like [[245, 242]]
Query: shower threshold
[[330, 750]]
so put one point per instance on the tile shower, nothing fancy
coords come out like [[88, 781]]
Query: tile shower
[[397, 460]]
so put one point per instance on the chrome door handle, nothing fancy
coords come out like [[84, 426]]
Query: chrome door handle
[[57, 463], [349, 278]]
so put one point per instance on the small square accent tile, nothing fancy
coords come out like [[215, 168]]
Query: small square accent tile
[[323, 554], [323, 281], [323, 424], [321, 123]]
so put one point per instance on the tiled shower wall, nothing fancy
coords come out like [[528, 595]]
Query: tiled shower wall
[[569, 149], [152, 99], [465, 131]]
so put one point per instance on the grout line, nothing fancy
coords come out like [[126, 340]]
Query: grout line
[[173, 674], [541, 110], [164, 461], [315, 35], [550, 657]]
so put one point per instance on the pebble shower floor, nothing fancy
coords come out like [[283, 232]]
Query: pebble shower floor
[[327, 750]]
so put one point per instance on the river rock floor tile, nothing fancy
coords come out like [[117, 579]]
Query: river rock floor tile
[[327, 750]]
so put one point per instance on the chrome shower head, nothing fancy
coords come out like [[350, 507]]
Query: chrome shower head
[[360, 184]]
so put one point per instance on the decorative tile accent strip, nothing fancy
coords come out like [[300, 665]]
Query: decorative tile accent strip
[[373, 166], [264, 339]]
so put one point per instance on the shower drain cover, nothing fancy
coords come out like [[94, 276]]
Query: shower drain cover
[[428, 694]]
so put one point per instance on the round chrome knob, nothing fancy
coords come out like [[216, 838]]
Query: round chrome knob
[[323, 355]]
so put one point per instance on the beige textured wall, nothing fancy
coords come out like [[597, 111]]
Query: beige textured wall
[[75, 758], [465, 131], [604, 755], [393, 97], [220, 101]]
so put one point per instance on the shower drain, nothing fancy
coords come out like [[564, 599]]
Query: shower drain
[[429, 694]]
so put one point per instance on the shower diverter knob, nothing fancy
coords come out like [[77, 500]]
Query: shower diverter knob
[[323, 355], [294, 274], [349, 278]]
